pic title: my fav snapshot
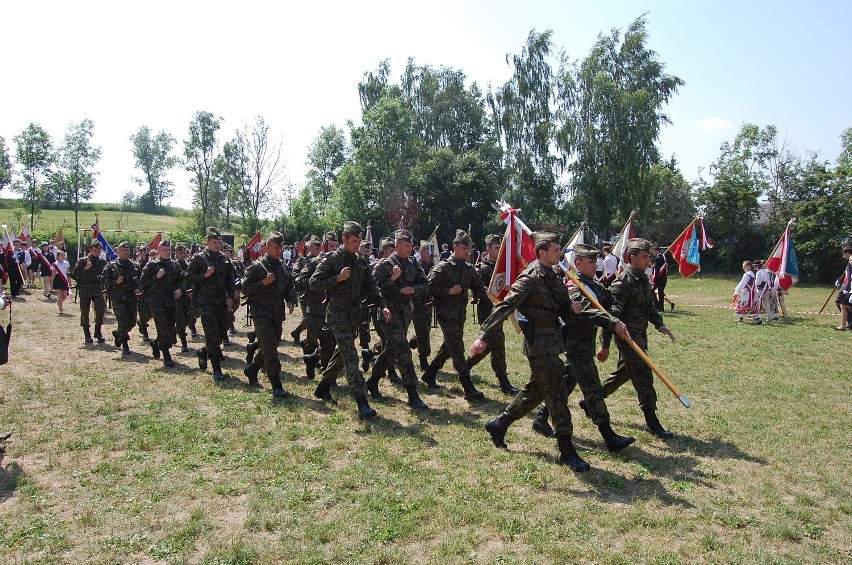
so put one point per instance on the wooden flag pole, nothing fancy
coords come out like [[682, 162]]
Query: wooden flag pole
[[826, 300], [636, 348]]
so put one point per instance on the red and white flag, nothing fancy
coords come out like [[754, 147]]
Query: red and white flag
[[253, 246], [516, 252], [783, 260], [620, 247], [25, 231], [687, 247], [568, 251], [155, 242]]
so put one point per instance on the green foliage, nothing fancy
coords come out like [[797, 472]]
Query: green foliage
[[5, 165], [151, 154], [671, 207], [326, 156], [34, 154], [200, 151]]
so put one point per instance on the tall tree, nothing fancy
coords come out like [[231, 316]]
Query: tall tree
[[611, 113], [265, 173], [522, 112], [74, 177], [671, 206], [5, 165], [200, 150], [326, 156], [231, 172], [34, 153], [151, 154]]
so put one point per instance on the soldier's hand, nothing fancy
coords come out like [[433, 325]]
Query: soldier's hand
[[603, 354], [120, 279], [210, 270], [407, 290], [455, 289], [397, 272], [576, 307], [270, 278], [230, 304], [479, 346], [137, 292], [88, 264], [345, 273], [622, 331], [178, 294], [161, 273], [387, 314], [667, 331]]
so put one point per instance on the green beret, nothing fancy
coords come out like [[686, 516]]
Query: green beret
[[403, 235], [329, 236], [493, 238], [639, 243], [462, 238], [541, 236], [123, 245], [352, 228], [583, 250], [213, 233]]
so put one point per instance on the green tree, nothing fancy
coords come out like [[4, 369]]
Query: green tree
[[610, 118], [264, 172], [34, 154], [151, 154], [672, 206], [326, 157], [5, 165], [200, 152], [231, 172]]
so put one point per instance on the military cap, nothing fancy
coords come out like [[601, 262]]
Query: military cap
[[314, 240], [165, 243], [95, 243], [540, 236], [583, 250], [180, 247], [388, 242], [123, 244], [424, 243], [639, 243], [403, 235], [492, 238], [366, 243], [329, 236], [352, 228], [276, 236], [462, 238], [213, 233]]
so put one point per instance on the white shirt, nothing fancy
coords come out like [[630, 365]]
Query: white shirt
[[610, 264]]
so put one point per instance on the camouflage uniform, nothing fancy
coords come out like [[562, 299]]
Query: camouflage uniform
[[122, 295], [268, 313], [421, 317], [211, 294], [185, 313], [320, 340], [160, 295], [90, 291], [344, 313]]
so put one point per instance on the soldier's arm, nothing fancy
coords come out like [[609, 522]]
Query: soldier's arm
[[519, 293], [620, 292], [195, 271], [230, 279], [437, 288], [149, 275], [374, 295], [477, 286], [325, 276], [420, 284], [654, 316], [253, 280], [382, 273], [108, 276], [290, 294]]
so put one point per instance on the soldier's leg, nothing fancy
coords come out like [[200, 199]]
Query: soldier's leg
[[212, 320], [269, 334], [85, 306], [621, 374], [498, 354], [100, 309], [586, 373], [345, 357], [531, 394], [326, 344], [421, 329]]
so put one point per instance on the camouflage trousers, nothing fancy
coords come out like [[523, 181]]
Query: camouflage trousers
[[185, 315], [346, 358], [144, 314], [497, 349], [125, 316], [452, 347], [268, 332], [422, 328], [214, 320], [581, 369], [319, 337], [364, 329], [164, 320], [396, 350], [89, 298], [546, 383], [632, 368]]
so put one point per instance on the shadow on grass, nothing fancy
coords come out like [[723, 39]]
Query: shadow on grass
[[393, 429], [11, 477]]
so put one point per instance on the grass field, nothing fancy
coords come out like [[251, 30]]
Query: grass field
[[117, 460]]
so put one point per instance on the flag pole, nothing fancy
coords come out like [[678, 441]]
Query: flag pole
[[833, 290], [591, 297], [669, 248]]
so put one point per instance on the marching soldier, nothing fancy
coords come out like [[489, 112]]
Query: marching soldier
[[579, 333], [449, 282], [497, 345], [120, 278], [542, 298], [320, 341], [400, 280], [421, 318], [87, 273], [162, 282], [185, 315], [212, 276], [634, 305], [267, 284], [345, 277]]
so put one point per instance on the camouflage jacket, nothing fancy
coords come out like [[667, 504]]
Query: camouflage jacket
[[411, 275], [634, 303], [585, 326], [161, 291], [89, 279], [313, 301], [125, 291], [219, 286], [446, 275], [345, 297], [485, 268], [268, 300]]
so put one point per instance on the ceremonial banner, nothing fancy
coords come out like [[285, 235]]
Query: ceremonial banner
[[155, 243], [568, 251], [59, 239], [516, 252], [433, 243], [97, 235], [620, 247], [25, 230], [369, 236], [783, 260], [253, 246]]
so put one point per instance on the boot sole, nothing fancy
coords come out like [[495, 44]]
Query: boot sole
[[498, 443]]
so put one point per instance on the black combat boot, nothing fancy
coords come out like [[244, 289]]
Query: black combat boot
[[167, 359], [143, 331], [251, 336], [226, 341], [506, 386], [373, 384], [251, 349], [323, 393], [654, 425], [202, 358], [218, 375], [184, 348], [585, 407], [155, 348], [414, 399], [366, 356], [470, 391], [412, 343], [614, 442], [364, 409], [424, 362], [98, 335], [568, 456], [497, 429], [311, 365], [125, 346], [192, 331], [251, 370], [87, 335], [232, 330], [295, 335], [116, 338], [277, 388], [429, 378], [540, 424], [393, 377]]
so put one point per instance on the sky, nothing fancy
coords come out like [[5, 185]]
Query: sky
[[298, 65]]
